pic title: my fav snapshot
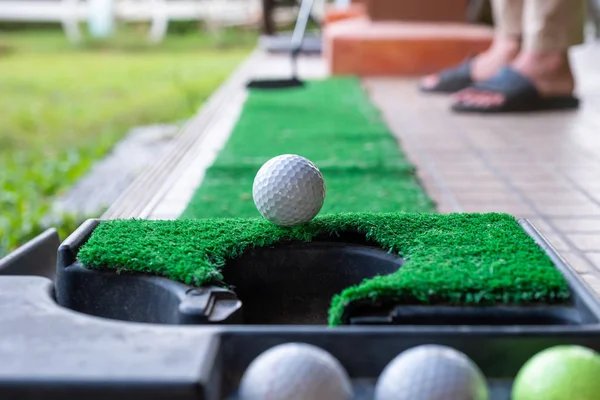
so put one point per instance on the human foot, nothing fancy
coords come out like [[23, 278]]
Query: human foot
[[481, 67], [549, 74]]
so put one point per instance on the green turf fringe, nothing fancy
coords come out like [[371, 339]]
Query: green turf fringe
[[450, 259]]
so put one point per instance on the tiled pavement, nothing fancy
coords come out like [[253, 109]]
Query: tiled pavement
[[543, 167]]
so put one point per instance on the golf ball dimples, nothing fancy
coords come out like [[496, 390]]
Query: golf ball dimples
[[559, 373], [431, 372], [289, 190], [295, 371]]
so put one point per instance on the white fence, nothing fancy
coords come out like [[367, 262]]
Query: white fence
[[70, 13]]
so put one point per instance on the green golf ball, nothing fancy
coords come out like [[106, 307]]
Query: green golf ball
[[559, 373]]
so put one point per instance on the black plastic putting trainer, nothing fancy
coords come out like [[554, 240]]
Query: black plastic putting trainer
[[68, 332]]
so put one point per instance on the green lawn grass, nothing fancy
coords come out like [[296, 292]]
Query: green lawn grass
[[64, 107]]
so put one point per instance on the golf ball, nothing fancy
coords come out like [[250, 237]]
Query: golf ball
[[289, 190], [558, 373], [431, 372], [295, 371]]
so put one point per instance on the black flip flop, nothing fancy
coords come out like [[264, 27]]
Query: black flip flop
[[452, 79], [520, 95]]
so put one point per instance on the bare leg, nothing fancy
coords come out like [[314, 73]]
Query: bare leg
[[551, 28], [508, 16]]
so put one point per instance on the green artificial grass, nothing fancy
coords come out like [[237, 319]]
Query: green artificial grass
[[371, 188], [331, 122], [450, 259], [228, 193]]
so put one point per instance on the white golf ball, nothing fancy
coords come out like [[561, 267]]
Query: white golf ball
[[295, 371], [431, 372], [289, 190]]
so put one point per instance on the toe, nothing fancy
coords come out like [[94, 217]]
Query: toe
[[465, 93], [430, 81], [478, 98]]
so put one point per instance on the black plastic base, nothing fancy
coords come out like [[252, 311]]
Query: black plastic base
[[454, 315], [144, 298], [36, 257], [294, 283], [288, 284], [53, 352]]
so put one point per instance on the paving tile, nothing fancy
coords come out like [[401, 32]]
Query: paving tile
[[513, 157], [593, 281], [551, 210], [585, 241], [456, 157], [432, 132], [577, 224], [566, 197], [462, 183], [435, 193], [485, 139], [578, 263], [557, 241], [534, 175], [514, 167], [476, 175], [589, 181], [445, 208], [594, 194], [505, 165], [586, 172], [489, 196], [441, 144], [452, 161], [517, 209], [468, 164], [430, 183], [542, 185], [541, 225], [595, 259]]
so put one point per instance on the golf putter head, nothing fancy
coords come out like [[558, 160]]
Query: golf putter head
[[270, 84], [297, 39]]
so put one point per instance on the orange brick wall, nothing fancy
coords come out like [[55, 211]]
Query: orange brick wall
[[362, 47]]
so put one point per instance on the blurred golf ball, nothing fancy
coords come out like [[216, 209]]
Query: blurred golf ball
[[295, 371], [431, 372], [289, 190], [559, 373]]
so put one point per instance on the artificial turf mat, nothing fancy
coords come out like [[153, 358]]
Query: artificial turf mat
[[228, 193], [371, 187], [332, 123], [450, 259]]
